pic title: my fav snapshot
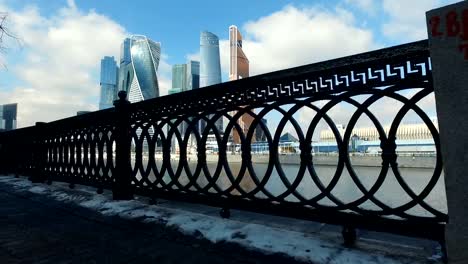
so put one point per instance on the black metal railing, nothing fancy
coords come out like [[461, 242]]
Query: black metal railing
[[170, 147]]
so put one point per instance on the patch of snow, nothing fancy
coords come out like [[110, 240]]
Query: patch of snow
[[94, 203], [15, 181], [137, 213], [117, 207], [65, 197], [38, 189], [212, 228]]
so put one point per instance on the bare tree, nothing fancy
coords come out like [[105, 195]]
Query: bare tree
[[5, 34]]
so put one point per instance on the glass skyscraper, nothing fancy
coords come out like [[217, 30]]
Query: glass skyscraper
[[109, 78], [193, 75], [179, 78], [210, 66], [238, 69], [125, 60], [185, 77], [125, 57], [139, 61], [8, 114]]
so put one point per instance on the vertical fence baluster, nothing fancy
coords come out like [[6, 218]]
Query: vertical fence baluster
[[39, 154], [16, 150], [349, 235]]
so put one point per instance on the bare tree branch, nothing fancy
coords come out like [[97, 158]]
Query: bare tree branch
[[5, 34]]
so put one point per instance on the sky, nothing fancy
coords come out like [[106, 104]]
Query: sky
[[53, 70]]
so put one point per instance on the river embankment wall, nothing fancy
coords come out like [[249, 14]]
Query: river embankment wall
[[332, 160]]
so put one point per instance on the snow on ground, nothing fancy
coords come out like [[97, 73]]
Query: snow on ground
[[312, 248]]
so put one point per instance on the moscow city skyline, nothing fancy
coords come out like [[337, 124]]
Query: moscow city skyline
[[72, 37]]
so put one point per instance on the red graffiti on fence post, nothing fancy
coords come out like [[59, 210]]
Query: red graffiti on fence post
[[452, 25], [464, 35], [456, 25], [435, 22]]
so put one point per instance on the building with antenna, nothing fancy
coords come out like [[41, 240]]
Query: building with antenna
[[238, 69]]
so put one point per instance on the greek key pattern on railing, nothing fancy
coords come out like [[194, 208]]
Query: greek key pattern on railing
[[352, 79]]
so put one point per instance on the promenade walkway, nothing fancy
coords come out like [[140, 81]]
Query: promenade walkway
[[38, 229], [54, 224]]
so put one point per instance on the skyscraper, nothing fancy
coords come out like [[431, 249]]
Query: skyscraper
[[238, 69], [210, 66], [8, 116], [239, 64], [193, 75], [185, 77], [259, 132], [125, 60], [139, 61], [109, 79], [179, 78], [125, 56]]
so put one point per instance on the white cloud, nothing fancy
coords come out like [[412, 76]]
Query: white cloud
[[164, 75], [60, 71], [407, 19], [71, 4], [293, 37], [193, 56]]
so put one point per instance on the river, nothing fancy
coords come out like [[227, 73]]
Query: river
[[390, 193]]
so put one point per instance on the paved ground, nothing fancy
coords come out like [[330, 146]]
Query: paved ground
[[36, 229]]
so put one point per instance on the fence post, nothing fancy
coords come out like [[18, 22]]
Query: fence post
[[3, 154], [39, 154], [15, 153], [448, 44], [8, 153], [122, 188]]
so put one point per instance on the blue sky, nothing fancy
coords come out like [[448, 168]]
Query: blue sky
[[176, 24], [54, 72]]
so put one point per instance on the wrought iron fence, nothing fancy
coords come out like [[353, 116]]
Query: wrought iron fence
[[163, 147]]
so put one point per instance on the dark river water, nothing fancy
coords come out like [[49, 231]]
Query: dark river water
[[390, 193]]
